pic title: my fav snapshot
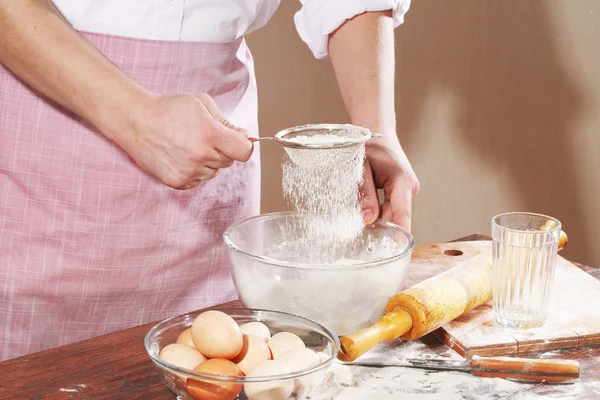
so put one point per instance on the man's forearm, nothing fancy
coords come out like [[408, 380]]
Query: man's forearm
[[362, 54], [39, 47]]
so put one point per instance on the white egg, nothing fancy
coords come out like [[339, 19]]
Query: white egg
[[254, 351], [302, 359], [284, 341], [182, 356], [274, 390], [257, 329]]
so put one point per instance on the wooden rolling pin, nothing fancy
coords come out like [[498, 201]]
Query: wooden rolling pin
[[428, 305]]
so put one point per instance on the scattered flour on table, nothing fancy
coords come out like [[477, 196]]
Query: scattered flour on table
[[354, 383], [73, 389]]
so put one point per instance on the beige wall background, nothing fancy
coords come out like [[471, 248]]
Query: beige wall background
[[497, 104]]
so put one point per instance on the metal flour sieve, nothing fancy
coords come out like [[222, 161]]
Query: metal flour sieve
[[318, 145]]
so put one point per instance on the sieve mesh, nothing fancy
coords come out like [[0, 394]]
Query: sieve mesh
[[318, 145]]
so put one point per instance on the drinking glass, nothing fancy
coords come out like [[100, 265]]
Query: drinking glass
[[524, 246]]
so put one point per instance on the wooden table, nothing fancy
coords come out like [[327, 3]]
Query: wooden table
[[116, 366]]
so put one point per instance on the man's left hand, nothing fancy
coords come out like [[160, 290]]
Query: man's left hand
[[388, 168]]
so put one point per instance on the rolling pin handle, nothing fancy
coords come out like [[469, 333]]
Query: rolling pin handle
[[389, 327]]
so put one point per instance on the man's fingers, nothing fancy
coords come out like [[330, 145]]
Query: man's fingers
[[404, 220], [231, 141], [235, 128], [211, 106], [216, 113], [232, 144], [369, 199], [191, 184], [209, 173], [400, 203], [204, 175], [219, 161], [225, 122], [386, 211]]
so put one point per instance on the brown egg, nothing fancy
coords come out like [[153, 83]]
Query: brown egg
[[212, 390], [284, 341], [254, 351], [256, 328], [217, 335], [186, 338]]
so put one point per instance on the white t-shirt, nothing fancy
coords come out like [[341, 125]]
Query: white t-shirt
[[216, 20]]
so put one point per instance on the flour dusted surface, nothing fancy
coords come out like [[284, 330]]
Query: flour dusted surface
[[358, 383]]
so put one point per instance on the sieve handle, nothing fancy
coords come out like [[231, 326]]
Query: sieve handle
[[260, 139]]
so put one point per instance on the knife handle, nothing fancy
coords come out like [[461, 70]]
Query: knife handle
[[526, 369]]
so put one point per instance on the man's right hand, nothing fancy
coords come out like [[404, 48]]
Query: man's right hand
[[183, 139]]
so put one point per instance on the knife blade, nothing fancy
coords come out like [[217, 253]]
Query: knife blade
[[510, 368]]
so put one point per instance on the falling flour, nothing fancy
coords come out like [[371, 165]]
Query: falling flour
[[321, 244], [325, 190]]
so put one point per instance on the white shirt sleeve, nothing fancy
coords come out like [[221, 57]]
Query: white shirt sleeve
[[317, 19]]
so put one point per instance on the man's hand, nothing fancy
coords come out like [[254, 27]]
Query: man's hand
[[388, 168], [183, 139]]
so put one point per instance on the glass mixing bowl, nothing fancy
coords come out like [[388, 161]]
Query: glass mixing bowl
[[270, 272], [316, 337]]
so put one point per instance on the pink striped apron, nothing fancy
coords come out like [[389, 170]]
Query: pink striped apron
[[89, 244]]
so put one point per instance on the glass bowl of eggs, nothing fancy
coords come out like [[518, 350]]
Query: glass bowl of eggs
[[241, 353]]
